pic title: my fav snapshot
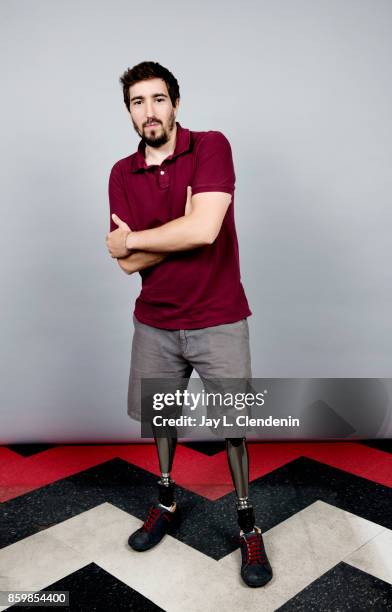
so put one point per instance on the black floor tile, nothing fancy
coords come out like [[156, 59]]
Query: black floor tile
[[384, 444], [92, 588], [207, 448], [343, 588], [26, 450]]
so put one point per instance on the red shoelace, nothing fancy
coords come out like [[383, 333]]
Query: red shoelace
[[255, 548], [151, 519]]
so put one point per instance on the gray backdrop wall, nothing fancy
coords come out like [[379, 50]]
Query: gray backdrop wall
[[302, 91]]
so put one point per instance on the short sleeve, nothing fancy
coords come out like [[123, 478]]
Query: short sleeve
[[117, 195], [214, 168]]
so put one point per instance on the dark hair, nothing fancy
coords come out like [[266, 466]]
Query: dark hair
[[149, 70]]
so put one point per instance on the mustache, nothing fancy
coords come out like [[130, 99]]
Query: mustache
[[151, 121]]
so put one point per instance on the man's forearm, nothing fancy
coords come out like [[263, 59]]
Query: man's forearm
[[182, 234], [139, 260]]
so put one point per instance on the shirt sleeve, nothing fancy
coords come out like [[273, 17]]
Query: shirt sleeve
[[118, 203], [214, 168]]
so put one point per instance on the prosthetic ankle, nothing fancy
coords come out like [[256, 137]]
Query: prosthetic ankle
[[166, 488], [246, 515]]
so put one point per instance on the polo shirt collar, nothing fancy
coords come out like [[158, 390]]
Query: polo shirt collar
[[183, 138]]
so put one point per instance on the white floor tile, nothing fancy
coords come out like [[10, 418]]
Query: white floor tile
[[37, 561], [375, 557]]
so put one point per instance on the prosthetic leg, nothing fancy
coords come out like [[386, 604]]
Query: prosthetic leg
[[166, 447], [163, 515], [237, 455], [256, 570]]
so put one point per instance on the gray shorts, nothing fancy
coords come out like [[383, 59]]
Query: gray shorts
[[220, 351]]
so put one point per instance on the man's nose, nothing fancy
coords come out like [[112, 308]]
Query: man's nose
[[149, 110]]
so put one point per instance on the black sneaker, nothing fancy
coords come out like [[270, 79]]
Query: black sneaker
[[255, 568], [158, 522]]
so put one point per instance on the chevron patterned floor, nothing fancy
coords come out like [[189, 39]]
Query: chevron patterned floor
[[325, 510]]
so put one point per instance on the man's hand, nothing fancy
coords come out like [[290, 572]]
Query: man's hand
[[115, 240], [140, 260]]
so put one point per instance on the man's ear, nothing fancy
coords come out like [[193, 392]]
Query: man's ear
[[177, 104]]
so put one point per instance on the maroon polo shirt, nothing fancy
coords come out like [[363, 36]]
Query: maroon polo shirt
[[189, 289]]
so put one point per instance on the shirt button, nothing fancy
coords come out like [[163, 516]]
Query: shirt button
[[162, 172]]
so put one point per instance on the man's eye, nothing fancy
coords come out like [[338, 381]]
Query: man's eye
[[160, 99], [137, 102]]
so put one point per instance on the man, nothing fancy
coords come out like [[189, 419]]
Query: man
[[172, 219]]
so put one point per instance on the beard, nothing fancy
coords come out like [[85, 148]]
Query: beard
[[155, 140]]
